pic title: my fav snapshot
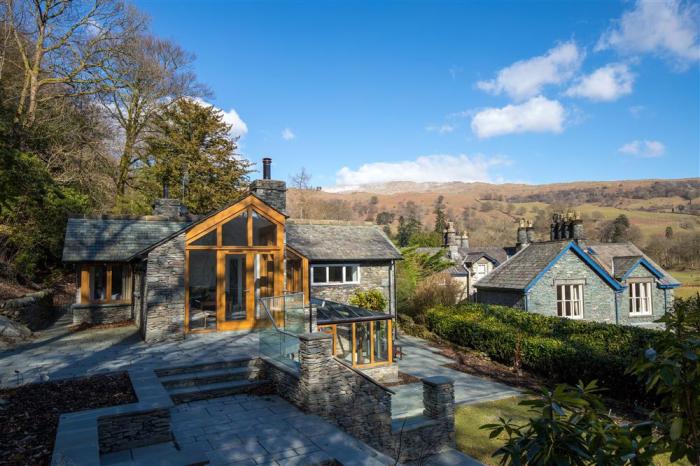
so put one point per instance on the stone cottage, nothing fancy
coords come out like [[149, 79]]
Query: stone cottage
[[471, 264], [174, 273], [574, 278]]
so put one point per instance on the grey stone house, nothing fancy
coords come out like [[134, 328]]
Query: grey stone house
[[571, 277], [471, 264], [174, 273]]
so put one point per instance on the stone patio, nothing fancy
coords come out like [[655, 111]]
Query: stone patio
[[422, 360], [59, 353]]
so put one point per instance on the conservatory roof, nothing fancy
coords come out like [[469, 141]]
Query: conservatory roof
[[331, 312]]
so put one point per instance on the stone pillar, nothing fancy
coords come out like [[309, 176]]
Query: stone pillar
[[315, 372], [439, 403], [169, 208]]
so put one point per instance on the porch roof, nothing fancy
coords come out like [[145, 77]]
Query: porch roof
[[331, 312]]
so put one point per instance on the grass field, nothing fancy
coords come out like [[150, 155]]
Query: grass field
[[690, 280], [476, 442]]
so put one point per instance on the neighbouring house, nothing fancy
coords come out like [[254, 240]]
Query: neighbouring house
[[471, 264], [574, 278], [174, 273]]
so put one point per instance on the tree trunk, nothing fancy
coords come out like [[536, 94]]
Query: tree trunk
[[125, 163]]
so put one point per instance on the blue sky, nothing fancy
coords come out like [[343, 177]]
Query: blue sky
[[536, 92]]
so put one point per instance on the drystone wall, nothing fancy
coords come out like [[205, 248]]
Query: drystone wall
[[101, 313], [35, 310], [133, 430]]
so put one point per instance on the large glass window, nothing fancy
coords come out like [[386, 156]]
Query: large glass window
[[235, 231], [235, 280], [640, 298], [98, 283], [362, 343], [264, 231], [343, 342], [381, 340], [202, 288], [207, 240], [570, 301], [116, 293]]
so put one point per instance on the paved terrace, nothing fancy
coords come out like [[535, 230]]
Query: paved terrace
[[58, 353]]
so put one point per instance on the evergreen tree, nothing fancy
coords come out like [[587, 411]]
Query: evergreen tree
[[193, 153], [407, 228], [440, 216]]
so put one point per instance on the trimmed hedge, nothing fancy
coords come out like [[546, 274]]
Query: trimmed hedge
[[562, 350]]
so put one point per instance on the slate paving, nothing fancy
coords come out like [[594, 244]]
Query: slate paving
[[243, 429], [60, 353], [422, 360]]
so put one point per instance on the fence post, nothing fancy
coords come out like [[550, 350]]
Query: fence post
[[439, 404]]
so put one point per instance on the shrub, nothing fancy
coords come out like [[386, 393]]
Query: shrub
[[373, 299], [436, 290], [561, 350]]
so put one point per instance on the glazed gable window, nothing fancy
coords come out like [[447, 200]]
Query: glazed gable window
[[640, 299], [335, 274], [570, 301]]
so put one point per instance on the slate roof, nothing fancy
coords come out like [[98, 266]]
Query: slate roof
[[342, 242], [621, 265], [493, 253], [113, 240], [523, 267], [606, 254]]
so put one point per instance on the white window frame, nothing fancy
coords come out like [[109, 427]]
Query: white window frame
[[640, 299], [345, 278], [567, 297]]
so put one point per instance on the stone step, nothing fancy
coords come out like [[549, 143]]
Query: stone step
[[215, 390], [161, 454], [238, 362], [227, 374]]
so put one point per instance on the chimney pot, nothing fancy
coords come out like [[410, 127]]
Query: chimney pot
[[267, 162]]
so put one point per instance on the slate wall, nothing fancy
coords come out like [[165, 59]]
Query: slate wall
[[101, 313], [598, 296], [373, 275], [165, 291], [501, 298], [133, 430]]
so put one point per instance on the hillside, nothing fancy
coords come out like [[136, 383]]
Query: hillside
[[488, 211]]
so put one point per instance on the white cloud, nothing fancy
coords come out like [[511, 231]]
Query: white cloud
[[526, 78], [637, 110], [288, 134], [442, 129], [645, 149], [537, 115], [238, 127], [437, 168], [664, 27], [604, 84]]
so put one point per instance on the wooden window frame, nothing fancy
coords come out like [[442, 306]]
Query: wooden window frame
[[214, 223], [353, 350], [561, 303], [86, 284], [636, 300]]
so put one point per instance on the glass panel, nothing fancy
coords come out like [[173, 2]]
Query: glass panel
[[265, 281], [343, 342], [207, 240], [319, 274], [235, 231], [335, 274], [202, 285], [264, 231], [362, 343], [117, 282], [381, 340], [98, 283], [235, 287], [351, 273]]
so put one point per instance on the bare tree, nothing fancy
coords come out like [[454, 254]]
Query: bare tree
[[63, 46], [142, 80], [301, 180]]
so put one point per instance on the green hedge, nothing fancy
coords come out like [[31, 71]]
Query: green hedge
[[562, 350]]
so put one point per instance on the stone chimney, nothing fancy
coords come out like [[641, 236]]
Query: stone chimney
[[452, 241], [577, 227], [522, 240], [464, 240], [530, 230], [568, 226], [273, 192], [170, 208]]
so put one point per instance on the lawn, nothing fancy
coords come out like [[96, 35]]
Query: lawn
[[476, 442], [690, 280]]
